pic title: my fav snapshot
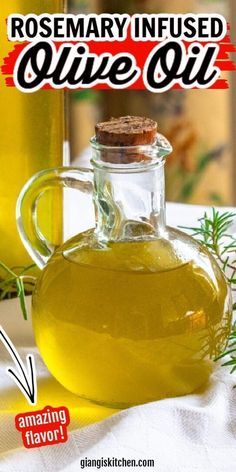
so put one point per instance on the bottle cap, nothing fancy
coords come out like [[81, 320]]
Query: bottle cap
[[126, 131]]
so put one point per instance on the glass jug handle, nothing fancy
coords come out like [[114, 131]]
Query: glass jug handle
[[39, 248]]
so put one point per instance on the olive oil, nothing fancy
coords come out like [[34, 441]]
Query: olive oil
[[132, 311], [130, 322], [31, 139]]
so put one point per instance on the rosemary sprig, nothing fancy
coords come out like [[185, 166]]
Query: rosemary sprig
[[230, 351], [213, 233], [16, 282]]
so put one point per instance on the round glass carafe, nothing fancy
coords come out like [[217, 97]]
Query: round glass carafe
[[131, 311]]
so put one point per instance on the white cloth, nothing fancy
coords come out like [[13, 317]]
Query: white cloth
[[195, 433]]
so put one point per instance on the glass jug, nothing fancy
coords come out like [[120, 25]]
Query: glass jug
[[131, 311]]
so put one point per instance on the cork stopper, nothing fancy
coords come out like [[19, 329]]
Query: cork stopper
[[123, 132], [126, 131]]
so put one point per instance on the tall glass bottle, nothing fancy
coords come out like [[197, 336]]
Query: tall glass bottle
[[31, 139]]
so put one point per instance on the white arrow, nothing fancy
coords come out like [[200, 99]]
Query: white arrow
[[26, 378]]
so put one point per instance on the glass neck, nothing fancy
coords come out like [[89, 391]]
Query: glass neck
[[129, 205]]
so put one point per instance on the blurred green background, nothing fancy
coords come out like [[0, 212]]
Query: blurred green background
[[199, 123]]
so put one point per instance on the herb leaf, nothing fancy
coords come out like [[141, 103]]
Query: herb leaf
[[14, 284], [213, 233]]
